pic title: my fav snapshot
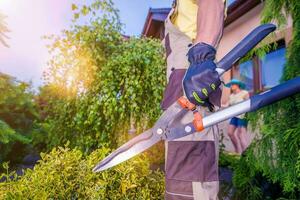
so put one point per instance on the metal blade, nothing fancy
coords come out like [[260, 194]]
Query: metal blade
[[130, 149], [143, 141]]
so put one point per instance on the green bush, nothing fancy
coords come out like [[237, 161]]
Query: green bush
[[98, 84], [67, 174], [7, 134], [17, 115]]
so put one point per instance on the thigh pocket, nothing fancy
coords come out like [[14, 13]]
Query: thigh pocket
[[192, 161]]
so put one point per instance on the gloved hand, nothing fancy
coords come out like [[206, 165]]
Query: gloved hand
[[201, 82]]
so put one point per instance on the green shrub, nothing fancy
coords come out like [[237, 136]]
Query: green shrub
[[98, 85], [67, 174], [7, 134], [17, 115]]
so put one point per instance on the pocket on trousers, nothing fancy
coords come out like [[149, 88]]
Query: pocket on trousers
[[192, 161]]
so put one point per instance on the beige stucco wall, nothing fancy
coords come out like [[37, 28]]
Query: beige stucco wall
[[234, 33]]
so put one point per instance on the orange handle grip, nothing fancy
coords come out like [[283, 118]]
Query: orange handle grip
[[185, 103], [197, 122]]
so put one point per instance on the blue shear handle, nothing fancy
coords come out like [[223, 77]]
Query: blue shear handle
[[243, 47], [275, 94]]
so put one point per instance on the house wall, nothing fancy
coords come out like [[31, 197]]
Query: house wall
[[235, 32]]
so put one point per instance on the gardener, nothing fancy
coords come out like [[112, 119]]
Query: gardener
[[237, 124], [193, 30]]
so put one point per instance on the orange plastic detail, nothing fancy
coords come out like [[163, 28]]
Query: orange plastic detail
[[198, 123], [185, 103]]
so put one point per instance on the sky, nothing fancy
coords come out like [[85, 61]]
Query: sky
[[29, 20]]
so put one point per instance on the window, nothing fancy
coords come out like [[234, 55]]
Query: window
[[262, 74], [229, 2], [244, 72], [272, 68]]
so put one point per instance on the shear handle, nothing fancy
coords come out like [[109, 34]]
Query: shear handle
[[186, 104]]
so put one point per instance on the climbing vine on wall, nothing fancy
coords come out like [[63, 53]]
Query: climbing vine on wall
[[276, 155]]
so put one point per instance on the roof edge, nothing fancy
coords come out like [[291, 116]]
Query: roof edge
[[234, 11]]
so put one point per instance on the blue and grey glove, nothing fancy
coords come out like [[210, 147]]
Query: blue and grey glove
[[201, 82]]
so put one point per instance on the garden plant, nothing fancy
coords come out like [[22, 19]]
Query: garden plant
[[100, 89]]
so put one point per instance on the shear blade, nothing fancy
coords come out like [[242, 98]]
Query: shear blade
[[130, 149]]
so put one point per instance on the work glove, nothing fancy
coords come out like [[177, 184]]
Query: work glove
[[201, 82]]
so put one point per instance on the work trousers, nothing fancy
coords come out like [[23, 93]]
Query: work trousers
[[191, 161]]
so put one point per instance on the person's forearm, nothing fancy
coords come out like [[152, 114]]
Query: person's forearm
[[210, 21]]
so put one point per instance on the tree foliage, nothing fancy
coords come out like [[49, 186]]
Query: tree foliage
[[17, 116], [79, 53], [3, 30], [99, 84], [7, 134]]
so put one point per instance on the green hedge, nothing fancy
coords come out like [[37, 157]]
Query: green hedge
[[67, 174]]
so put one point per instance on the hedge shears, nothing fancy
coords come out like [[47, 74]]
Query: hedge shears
[[170, 126]]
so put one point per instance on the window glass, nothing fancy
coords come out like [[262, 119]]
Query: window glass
[[245, 74], [229, 2], [272, 68]]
